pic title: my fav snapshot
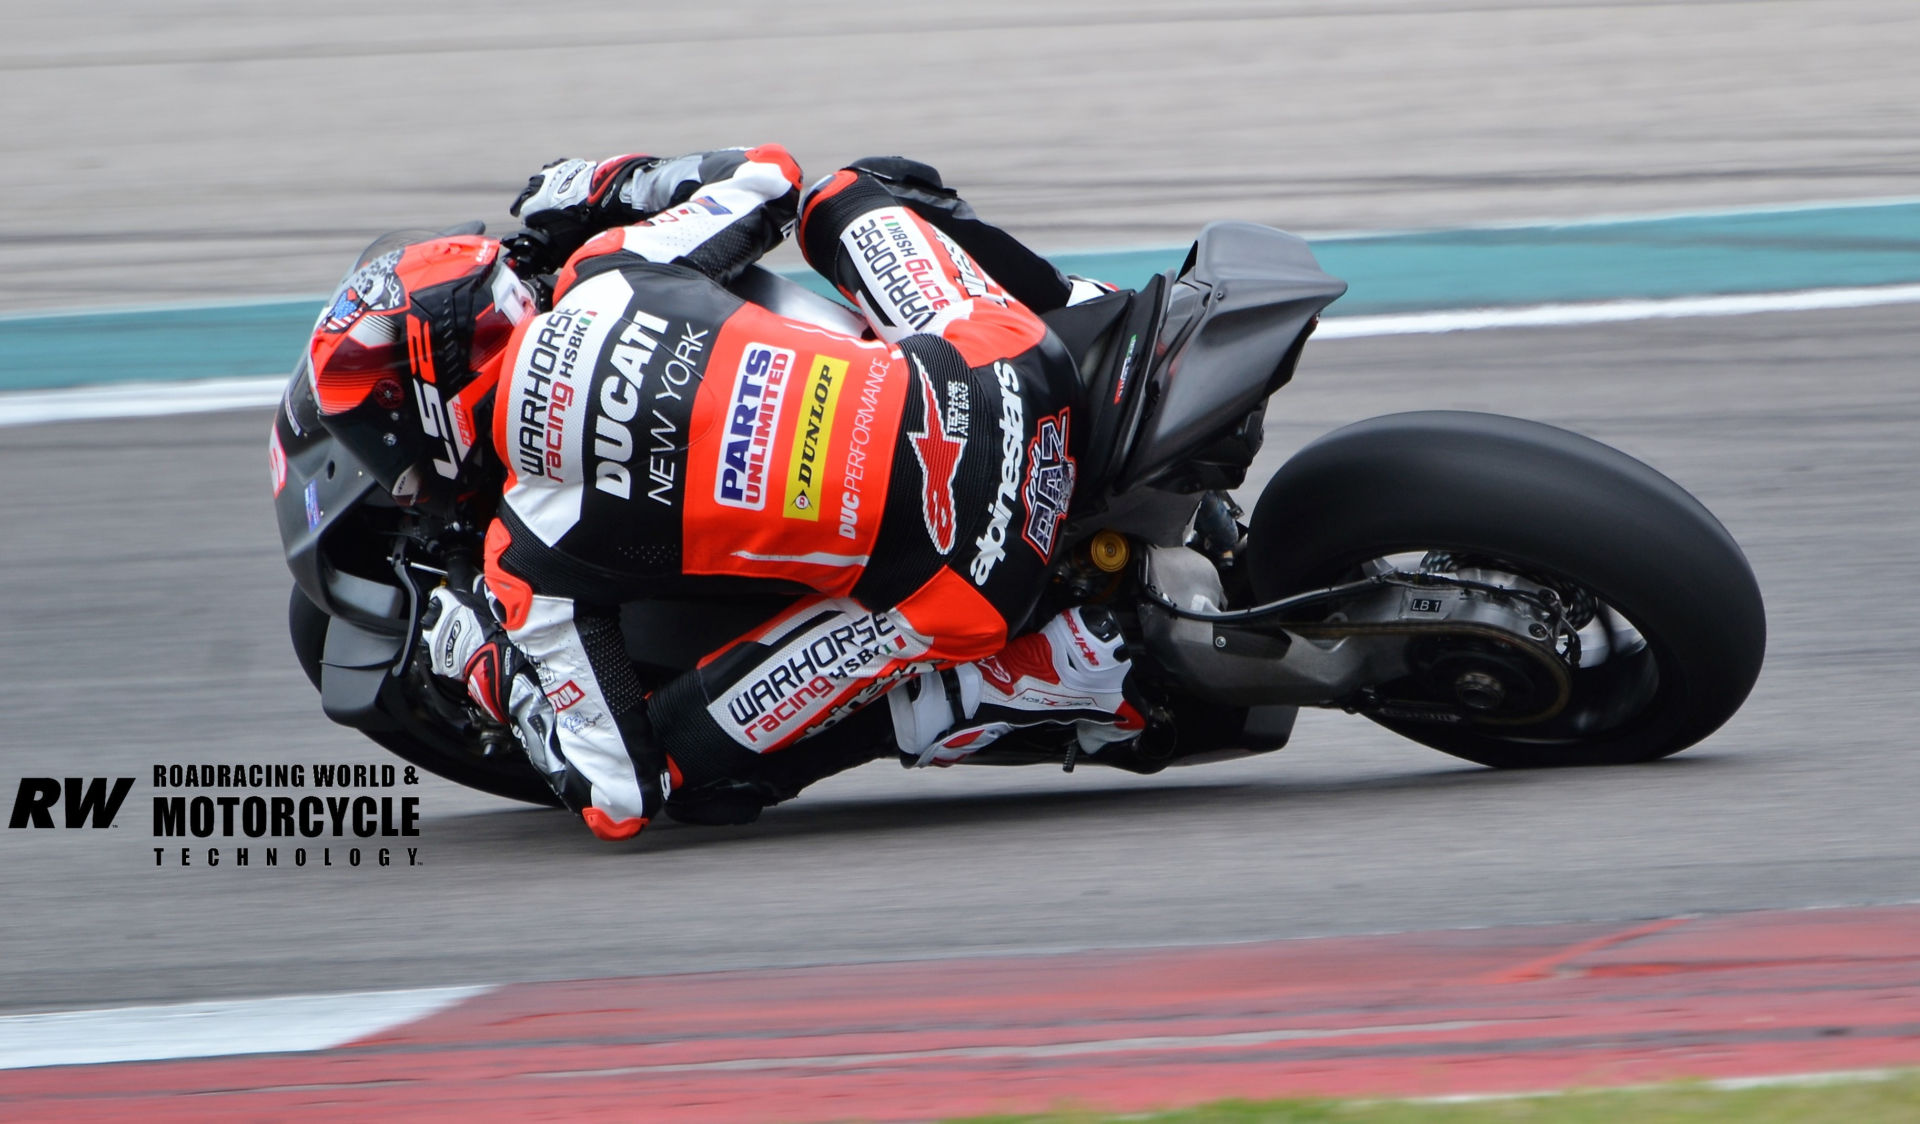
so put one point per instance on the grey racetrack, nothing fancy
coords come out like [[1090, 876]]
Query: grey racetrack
[[144, 593]]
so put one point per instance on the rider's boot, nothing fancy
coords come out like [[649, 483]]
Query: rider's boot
[[1071, 672]]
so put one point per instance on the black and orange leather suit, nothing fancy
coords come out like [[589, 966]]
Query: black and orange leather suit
[[662, 435]]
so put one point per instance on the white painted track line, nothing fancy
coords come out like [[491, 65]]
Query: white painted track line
[[215, 1029], [135, 400], [1610, 312], [1025, 1051], [139, 400], [1728, 1084]]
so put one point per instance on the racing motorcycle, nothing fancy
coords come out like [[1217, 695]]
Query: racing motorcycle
[[1501, 590]]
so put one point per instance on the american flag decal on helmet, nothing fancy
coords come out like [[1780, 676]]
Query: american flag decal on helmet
[[371, 288]]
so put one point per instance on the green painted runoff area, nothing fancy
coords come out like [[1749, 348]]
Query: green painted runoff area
[[1739, 252], [1870, 1098]]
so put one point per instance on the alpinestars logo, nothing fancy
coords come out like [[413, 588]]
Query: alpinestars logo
[[1049, 490], [938, 448], [371, 288], [752, 421], [992, 543]]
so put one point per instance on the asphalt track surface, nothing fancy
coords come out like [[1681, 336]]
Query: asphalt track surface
[[145, 592], [216, 152]]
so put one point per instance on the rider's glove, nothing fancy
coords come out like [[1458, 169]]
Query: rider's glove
[[569, 201], [464, 642], [561, 185]]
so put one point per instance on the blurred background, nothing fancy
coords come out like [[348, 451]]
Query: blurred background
[[189, 151], [202, 152]]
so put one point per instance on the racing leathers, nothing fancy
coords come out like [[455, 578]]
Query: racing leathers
[[662, 436]]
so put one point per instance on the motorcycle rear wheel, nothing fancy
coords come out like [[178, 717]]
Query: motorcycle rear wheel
[[1559, 509]]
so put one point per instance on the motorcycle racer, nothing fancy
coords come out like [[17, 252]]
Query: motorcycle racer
[[652, 434]]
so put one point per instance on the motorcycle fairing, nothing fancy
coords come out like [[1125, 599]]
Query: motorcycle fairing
[[1238, 311], [327, 488]]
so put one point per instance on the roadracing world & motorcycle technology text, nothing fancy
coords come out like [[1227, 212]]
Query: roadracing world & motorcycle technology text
[[319, 824]]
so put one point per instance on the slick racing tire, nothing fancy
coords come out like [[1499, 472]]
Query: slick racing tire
[[506, 775], [1687, 632]]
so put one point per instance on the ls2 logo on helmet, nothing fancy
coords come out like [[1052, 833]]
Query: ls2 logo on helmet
[[751, 423], [433, 420]]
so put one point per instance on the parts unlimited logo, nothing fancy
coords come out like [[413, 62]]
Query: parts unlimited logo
[[315, 825]]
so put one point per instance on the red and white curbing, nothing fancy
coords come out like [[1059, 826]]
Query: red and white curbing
[[1790, 997]]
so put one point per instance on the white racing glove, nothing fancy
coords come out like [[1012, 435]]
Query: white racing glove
[[556, 187], [465, 642]]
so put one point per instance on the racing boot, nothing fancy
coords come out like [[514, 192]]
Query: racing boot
[[1070, 672]]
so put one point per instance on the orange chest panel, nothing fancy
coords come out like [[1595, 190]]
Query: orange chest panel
[[792, 440]]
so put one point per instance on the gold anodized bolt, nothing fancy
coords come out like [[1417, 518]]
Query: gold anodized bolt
[[1109, 551]]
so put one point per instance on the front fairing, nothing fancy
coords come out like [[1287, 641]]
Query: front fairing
[[328, 505]]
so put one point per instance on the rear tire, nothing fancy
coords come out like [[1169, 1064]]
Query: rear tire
[[1554, 504]]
